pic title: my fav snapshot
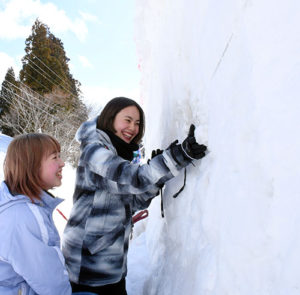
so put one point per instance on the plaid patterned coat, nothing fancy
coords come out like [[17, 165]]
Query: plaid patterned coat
[[108, 191]]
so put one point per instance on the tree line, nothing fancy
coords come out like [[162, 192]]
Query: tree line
[[45, 97]]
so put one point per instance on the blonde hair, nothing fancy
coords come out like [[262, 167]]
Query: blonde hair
[[23, 162]]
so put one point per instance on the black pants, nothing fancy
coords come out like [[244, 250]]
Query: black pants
[[113, 289]]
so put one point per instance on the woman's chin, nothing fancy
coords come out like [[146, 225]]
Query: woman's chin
[[126, 140]]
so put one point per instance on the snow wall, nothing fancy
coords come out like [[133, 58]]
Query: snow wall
[[232, 68]]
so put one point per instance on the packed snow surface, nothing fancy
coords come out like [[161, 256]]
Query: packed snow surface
[[232, 68]]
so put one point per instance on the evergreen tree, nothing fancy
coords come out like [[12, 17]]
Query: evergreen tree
[[9, 89], [33, 73], [45, 67], [52, 103]]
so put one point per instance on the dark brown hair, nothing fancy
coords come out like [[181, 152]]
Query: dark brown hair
[[23, 162], [106, 119]]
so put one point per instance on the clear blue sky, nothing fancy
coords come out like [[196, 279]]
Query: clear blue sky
[[98, 37]]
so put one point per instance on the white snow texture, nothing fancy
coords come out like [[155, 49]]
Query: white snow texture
[[231, 68]]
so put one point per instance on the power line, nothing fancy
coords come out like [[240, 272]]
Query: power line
[[44, 86], [30, 60], [28, 102], [41, 121], [31, 95], [13, 125], [74, 105], [54, 117], [41, 74], [38, 94], [76, 113], [51, 70]]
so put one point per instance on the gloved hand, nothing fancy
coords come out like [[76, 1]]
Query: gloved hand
[[154, 154], [191, 148]]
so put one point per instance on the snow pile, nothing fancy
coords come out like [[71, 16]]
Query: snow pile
[[232, 68]]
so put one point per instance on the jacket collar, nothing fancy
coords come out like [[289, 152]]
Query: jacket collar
[[48, 200], [7, 199]]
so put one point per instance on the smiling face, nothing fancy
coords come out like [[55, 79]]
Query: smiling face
[[126, 123], [51, 170]]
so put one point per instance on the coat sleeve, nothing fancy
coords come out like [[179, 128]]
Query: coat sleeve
[[39, 264], [142, 201], [109, 171]]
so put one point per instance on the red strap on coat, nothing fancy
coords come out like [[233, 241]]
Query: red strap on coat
[[141, 215], [62, 214]]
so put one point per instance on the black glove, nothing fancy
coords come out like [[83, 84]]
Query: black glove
[[155, 153], [191, 148]]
